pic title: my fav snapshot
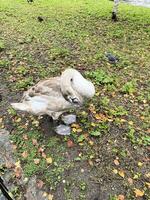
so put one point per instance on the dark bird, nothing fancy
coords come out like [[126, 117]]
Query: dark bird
[[40, 19], [111, 58], [114, 17], [30, 1]]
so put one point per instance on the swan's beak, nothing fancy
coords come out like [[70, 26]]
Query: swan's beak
[[74, 101]]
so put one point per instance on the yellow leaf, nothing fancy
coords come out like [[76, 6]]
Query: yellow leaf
[[17, 164], [115, 171], [140, 164], [79, 130], [121, 173], [130, 123], [138, 193], [91, 143], [147, 184], [50, 197], [18, 120], [49, 160]]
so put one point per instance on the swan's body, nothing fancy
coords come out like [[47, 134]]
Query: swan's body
[[56, 95]]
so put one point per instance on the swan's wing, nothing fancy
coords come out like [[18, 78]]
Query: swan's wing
[[49, 87]]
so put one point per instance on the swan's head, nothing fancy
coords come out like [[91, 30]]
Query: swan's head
[[75, 86]]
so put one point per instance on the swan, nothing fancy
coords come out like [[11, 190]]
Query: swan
[[56, 95]]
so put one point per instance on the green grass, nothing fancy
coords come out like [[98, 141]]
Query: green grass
[[78, 33]]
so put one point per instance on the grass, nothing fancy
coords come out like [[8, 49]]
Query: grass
[[113, 125]]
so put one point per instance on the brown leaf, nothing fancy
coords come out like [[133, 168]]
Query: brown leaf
[[14, 147], [138, 193], [36, 161], [40, 184], [8, 164], [34, 142], [40, 150], [130, 180], [120, 197], [148, 184], [70, 143], [43, 155], [25, 154], [25, 137], [18, 172], [116, 162]]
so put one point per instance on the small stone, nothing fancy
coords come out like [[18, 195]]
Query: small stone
[[69, 119], [63, 130]]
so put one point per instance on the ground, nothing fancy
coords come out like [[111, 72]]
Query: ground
[[106, 155]]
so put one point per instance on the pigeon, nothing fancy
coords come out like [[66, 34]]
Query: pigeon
[[111, 58]]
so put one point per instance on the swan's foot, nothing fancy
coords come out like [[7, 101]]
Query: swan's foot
[[69, 119], [63, 130]]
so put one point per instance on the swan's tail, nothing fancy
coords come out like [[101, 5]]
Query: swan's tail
[[20, 106]]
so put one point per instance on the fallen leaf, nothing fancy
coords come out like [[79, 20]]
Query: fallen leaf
[[115, 171], [8, 164], [17, 164], [50, 197], [121, 173], [130, 181], [49, 160], [40, 150], [34, 142], [36, 161], [18, 172], [25, 154], [90, 162], [138, 193], [18, 120], [120, 197], [140, 164], [116, 162], [148, 184], [14, 147], [25, 137], [91, 143], [130, 123], [43, 155], [40, 184], [70, 143]]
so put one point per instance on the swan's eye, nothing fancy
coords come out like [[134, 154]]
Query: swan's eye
[[71, 79]]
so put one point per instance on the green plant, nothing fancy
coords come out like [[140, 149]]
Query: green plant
[[100, 77], [129, 87], [23, 84]]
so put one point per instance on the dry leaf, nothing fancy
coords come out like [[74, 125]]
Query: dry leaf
[[34, 142], [121, 173], [138, 193], [8, 164], [148, 184], [91, 143], [36, 161], [43, 155], [14, 147], [40, 150], [18, 172], [130, 180], [90, 162], [25, 137], [116, 162], [70, 143], [121, 197], [50, 197], [24, 154], [140, 164], [115, 171], [40, 184], [49, 160]]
